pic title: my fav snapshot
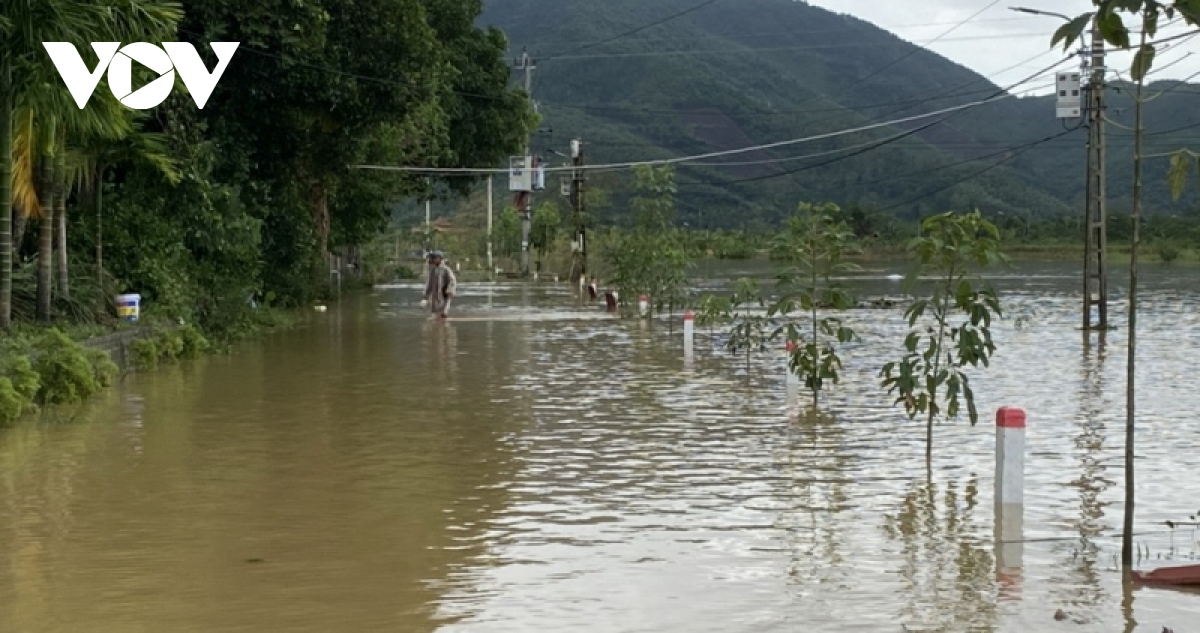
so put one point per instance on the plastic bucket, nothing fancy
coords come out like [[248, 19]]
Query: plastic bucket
[[129, 307]]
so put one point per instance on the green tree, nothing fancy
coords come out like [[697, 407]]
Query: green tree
[[950, 328], [1107, 20], [507, 233], [816, 243], [29, 80], [751, 328], [336, 74], [544, 229], [651, 258]]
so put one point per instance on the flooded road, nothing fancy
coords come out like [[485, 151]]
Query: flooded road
[[533, 465]]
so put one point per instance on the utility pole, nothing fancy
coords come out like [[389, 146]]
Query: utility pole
[[428, 222], [1095, 241], [1095, 214], [527, 64], [578, 201], [491, 267]]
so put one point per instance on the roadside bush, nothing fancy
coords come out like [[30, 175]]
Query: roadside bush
[[170, 345], [67, 374], [103, 368], [19, 385], [1168, 252], [193, 342], [144, 353]]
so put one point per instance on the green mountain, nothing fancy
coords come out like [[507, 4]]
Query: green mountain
[[737, 73]]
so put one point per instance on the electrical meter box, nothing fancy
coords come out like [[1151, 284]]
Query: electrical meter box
[[520, 176], [1069, 102]]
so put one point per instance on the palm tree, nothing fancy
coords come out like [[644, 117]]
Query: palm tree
[[29, 80], [87, 161]]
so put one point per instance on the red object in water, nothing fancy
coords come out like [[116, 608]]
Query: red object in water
[[1010, 418], [1184, 575]]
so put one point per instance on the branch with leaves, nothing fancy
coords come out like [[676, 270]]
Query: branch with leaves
[[816, 242], [950, 328], [751, 325]]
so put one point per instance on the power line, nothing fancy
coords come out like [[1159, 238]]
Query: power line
[[787, 33], [879, 144], [915, 50], [638, 29], [682, 159], [1015, 152], [406, 83], [842, 108], [916, 47], [1018, 149]]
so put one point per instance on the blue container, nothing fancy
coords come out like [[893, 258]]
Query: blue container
[[129, 307]]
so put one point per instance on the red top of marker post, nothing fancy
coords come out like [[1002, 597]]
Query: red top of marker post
[[790, 346], [644, 298], [688, 316], [1010, 418]]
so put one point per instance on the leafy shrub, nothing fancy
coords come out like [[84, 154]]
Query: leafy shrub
[[67, 374], [19, 371], [1168, 252], [145, 353], [12, 405], [194, 342], [103, 368], [170, 344]]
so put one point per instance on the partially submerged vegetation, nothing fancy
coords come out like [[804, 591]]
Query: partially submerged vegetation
[[48, 368]]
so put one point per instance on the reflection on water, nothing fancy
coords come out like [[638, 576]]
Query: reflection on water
[[534, 464], [947, 569], [1079, 588]]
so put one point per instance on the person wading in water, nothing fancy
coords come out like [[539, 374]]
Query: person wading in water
[[440, 287]]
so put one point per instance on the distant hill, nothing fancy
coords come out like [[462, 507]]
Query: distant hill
[[783, 69]]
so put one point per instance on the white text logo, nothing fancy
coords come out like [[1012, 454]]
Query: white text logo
[[118, 60]]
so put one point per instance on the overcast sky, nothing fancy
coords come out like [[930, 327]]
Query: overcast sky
[[998, 38]]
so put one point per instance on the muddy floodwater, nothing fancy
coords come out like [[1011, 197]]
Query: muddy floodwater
[[537, 465]]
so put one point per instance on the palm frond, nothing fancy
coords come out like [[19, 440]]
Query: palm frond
[[25, 142]]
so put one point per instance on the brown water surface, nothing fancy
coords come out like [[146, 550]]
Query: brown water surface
[[535, 465]]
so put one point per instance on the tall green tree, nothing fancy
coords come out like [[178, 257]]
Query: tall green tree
[[651, 258], [1109, 21], [816, 243], [326, 75], [544, 229], [31, 81], [950, 326]]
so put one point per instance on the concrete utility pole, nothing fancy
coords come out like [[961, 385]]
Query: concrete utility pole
[[1095, 242], [527, 64], [1095, 214], [580, 205], [491, 266]]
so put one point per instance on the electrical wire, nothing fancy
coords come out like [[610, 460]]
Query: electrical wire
[[918, 49], [872, 144], [1015, 153], [918, 46], [877, 145], [682, 159], [784, 33], [638, 29]]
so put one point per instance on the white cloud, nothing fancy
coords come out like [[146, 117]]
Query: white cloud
[[1004, 36]]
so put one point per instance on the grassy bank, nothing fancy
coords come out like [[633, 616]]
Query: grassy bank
[[43, 366]]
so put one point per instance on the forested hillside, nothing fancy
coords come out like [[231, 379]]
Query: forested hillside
[[734, 74]]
